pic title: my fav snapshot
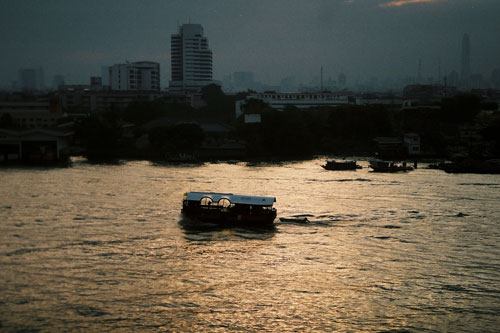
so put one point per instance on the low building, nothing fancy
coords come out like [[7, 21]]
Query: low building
[[389, 148], [412, 143], [34, 145], [87, 98], [425, 95], [379, 99], [33, 114], [301, 100]]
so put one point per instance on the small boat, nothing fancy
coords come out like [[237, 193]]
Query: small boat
[[470, 166], [341, 165], [294, 219], [229, 209], [385, 166]]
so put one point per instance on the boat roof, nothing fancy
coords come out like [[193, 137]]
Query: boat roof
[[234, 198]]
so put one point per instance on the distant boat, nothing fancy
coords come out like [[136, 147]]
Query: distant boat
[[294, 219], [470, 166], [341, 165], [229, 209], [385, 166]]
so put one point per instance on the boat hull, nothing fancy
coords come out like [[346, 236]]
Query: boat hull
[[385, 166], [229, 217], [392, 169], [332, 165]]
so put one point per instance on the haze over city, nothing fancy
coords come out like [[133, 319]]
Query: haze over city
[[272, 39]]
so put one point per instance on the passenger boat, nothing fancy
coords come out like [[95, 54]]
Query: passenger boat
[[385, 166], [341, 165], [229, 209]]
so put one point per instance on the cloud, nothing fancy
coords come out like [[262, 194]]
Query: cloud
[[399, 3]]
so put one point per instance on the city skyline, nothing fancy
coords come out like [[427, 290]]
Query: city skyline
[[275, 40]]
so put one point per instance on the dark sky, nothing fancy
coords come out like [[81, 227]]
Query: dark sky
[[272, 38]]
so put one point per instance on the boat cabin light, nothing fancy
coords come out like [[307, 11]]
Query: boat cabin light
[[227, 199]]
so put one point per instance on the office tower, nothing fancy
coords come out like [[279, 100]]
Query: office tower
[[465, 75], [141, 75], [191, 60]]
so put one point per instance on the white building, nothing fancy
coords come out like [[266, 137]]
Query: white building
[[301, 100], [412, 142], [191, 60], [135, 76]]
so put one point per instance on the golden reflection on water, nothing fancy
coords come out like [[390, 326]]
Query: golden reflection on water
[[103, 247]]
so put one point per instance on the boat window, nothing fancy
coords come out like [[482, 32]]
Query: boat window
[[224, 202], [206, 201]]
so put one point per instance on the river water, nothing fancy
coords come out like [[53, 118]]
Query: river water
[[104, 248]]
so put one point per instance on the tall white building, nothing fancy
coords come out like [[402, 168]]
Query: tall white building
[[191, 60], [135, 76]]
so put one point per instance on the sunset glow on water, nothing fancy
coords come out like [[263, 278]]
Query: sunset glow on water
[[104, 247]]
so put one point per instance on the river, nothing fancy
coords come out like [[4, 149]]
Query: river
[[103, 247]]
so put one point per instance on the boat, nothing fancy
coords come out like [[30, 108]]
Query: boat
[[491, 166], [385, 166], [341, 165], [229, 209], [294, 219]]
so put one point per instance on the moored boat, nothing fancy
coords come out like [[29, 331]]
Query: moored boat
[[229, 209], [341, 165], [385, 166]]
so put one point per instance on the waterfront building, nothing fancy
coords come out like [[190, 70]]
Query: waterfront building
[[412, 143], [135, 76], [32, 114], [191, 60], [34, 145]]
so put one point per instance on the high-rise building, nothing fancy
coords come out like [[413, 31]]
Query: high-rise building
[[135, 76], [191, 60], [465, 74]]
